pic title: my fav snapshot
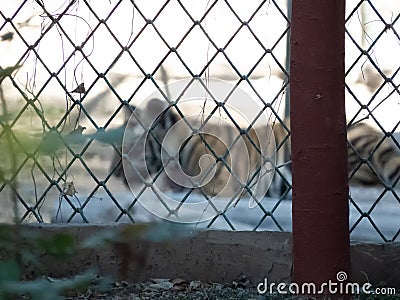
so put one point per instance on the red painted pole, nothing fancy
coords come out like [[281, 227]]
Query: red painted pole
[[321, 246]]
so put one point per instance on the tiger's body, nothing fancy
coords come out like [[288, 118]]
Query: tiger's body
[[216, 159], [212, 174], [374, 159]]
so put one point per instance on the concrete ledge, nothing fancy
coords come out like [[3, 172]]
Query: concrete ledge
[[217, 256], [378, 264]]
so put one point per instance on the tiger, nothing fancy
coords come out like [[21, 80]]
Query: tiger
[[372, 159], [212, 158]]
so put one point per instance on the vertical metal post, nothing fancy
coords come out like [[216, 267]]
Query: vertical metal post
[[287, 63], [321, 245]]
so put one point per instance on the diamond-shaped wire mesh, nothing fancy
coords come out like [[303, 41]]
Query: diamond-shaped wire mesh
[[372, 96], [75, 66]]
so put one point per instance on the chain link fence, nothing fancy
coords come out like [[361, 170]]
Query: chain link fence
[[70, 70], [372, 95]]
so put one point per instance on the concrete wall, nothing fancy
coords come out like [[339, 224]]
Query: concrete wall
[[216, 256]]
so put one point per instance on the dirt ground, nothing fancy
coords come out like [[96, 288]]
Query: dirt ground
[[175, 289]]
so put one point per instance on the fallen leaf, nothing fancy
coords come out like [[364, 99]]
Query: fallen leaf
[[164, 285], [7, 36], [69, 188], [80, 89]]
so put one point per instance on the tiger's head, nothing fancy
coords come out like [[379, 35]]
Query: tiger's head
[[144, 143]]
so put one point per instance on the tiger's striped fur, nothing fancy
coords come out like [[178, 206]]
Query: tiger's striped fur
[[212, 158], [373, 157], [365, 166]]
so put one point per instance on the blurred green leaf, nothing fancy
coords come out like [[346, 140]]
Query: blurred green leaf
[[51, 143], [155, 232], [9, 271], [8, 71], [50, 288], [39, 289], [60, 245], [5, 118], [112, 136], [5, 237], [101, 239], [167, 231], [75, 139]]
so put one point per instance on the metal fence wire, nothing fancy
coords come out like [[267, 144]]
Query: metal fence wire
[[72, 72]]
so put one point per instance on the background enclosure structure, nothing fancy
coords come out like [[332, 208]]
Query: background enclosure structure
[[79, 62]]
